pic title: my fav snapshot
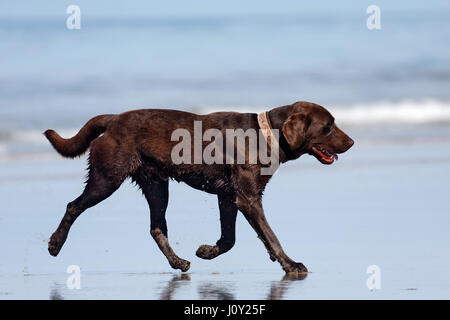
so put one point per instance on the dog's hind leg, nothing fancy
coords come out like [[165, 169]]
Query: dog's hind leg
[[228, 212], [105, 177], [157, 195]]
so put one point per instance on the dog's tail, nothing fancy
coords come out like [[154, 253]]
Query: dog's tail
[[78, 144]]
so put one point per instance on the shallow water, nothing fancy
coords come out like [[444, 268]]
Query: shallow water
[[383, 203]]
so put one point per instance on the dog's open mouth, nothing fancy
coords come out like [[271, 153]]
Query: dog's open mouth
[[323, 155]]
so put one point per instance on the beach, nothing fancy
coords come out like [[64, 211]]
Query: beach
[[386, 206]]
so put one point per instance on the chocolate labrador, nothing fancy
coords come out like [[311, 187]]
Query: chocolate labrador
[[139, 144]]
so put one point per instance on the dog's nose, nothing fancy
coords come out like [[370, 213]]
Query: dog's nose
[[350, 142]]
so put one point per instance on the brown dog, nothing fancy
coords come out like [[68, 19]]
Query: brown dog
[[138, 144]]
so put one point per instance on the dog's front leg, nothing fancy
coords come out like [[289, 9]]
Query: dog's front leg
[[252, 209], [228, 213]]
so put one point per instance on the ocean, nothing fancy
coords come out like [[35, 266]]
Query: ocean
[[240, 58]]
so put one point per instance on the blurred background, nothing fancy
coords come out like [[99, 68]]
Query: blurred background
[[388, 89], [227, 55]]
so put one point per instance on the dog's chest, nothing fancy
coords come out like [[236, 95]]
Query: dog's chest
[[210, 181]]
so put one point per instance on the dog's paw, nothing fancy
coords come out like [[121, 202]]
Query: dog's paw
[[293, 268], [207, 252], [53, 248], [55, 244], [185, 265], [181, 264]]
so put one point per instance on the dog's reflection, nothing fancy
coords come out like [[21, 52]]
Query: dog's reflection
[[176, 282], [213, 291], [276, 292], [279, 288], [55, 294]]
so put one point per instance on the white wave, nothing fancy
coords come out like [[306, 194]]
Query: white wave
[[3, 149], [374, 113], [385, 112], [35, 137]]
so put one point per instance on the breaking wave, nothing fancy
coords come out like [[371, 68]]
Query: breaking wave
[[385, 112]]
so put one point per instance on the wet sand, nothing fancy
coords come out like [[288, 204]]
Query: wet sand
[[386, 204]]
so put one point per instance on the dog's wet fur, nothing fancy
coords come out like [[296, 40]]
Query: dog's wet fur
[[138, 144]]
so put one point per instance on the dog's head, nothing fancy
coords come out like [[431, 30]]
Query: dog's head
[[310, 128]]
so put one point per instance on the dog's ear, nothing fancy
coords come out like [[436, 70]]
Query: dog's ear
[[294, 129]]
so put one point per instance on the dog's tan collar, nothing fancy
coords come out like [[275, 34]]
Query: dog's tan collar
[[266, 128], [264, 124]]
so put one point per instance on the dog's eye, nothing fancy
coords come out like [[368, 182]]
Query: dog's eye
[[326, 130]]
